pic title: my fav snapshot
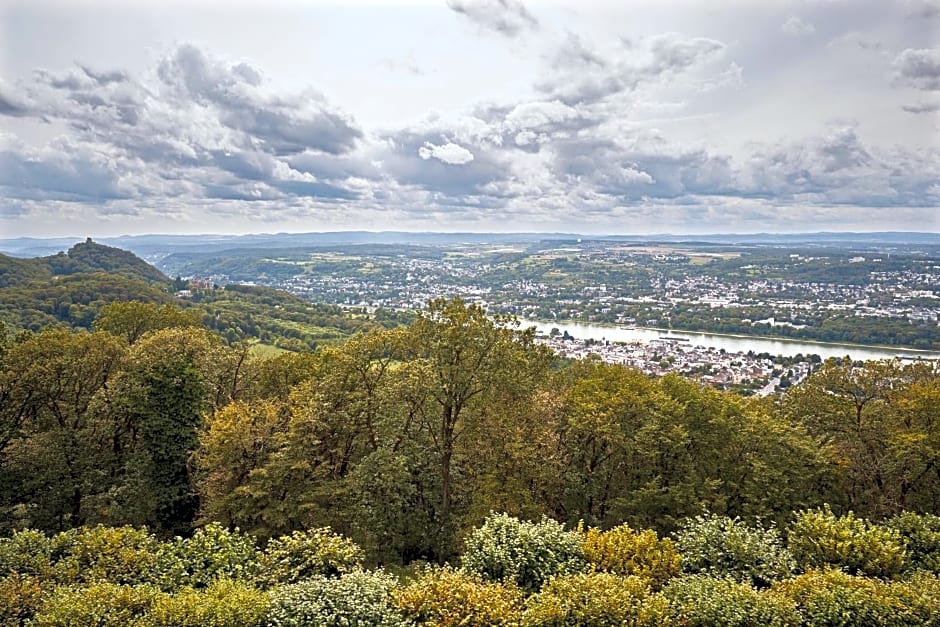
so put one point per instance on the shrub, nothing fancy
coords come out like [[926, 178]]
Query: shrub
[[833, 597], [444, 597], [212, 552], [122, 555], [921, 533], [819, 538], [20, 596], [524, 553], [727, 547], [700, 600], [29, 552], [95, 605], [921, 595], [304, 554], [223, 604], [623, 551], [356, 598], [595, 599]]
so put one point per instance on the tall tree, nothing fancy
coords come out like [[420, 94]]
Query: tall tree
[[50, 465], [472, 360]]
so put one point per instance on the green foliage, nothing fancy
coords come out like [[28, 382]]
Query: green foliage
[[120, 555], [595, 599], [920, 596], [703, 601], [356, 598], [29, 552], [834, 597], [819, 538], [71, 288], [623, 551], [524, 553], [445, 597], [305, 554], [921, 533], [224, 603], [211, 553], [132, 319], [97, 605], [89, 256], [20, 597], [727, 547]]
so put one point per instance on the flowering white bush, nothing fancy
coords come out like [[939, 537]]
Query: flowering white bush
[[356, 598], [728, 547], [525, 553]]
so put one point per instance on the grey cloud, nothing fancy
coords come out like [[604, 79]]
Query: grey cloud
[[919, 68], [663, 56], [332, 167], [105, 78], [285, 125], [507, 17], [9, 106], [204, 130], [315, 190], [245, 164], [403, 161], [632, 173], [70, 174], [922, 107], [672, 54], [574, 54], [837, 168], [922, 8]]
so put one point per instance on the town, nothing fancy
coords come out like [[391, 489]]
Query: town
[[873, 297], [747, 373]]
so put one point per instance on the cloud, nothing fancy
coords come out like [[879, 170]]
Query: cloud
[[506, 17], [9, 106], [922, 8], [286, 125], [795, 27], [573, 54], [922, 107], [658, 58], [62, 172], [449, 153], [918, 68], [197, 127]]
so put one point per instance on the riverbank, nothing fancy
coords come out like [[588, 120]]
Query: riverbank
[[731, 342]]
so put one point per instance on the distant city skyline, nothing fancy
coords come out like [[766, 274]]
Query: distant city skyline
[[643, 117]]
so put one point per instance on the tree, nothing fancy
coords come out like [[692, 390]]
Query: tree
[[51, 462], [471, 360], [171, 378], [132, 319], [874, 421]]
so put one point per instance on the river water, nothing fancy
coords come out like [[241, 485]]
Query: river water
[[731, 343]]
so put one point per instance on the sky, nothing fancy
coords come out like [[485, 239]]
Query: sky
[[591, 116]]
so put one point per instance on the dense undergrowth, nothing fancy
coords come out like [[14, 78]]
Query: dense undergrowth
[[821, 569]]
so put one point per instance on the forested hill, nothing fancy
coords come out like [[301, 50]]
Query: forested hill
[[82, 258], [70, 289]]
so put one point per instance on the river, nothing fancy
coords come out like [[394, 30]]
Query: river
[[731, 343]]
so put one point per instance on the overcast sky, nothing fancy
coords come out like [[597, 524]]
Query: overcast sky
[[482, 115]]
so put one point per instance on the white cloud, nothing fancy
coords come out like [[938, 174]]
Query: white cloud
[[795, 27], [507, 17], [449, 153], [919, 68]]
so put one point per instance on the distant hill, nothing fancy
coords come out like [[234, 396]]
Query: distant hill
[[90, 257], [69, 288], [84, 257]]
